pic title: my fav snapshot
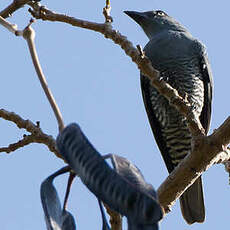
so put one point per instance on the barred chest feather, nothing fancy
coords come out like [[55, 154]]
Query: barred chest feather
[[173, 124]]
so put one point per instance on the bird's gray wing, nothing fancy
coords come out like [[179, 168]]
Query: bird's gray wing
[[205, 69], [205, 116], [154, 123]]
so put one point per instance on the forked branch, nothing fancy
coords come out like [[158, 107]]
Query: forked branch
[[37, 135]]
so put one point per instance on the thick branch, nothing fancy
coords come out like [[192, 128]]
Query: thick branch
[[142, 62], [205, 152], [221, 136], [37, 135], [15, 5]]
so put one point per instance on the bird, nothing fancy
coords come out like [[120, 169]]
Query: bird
[[183, 63]]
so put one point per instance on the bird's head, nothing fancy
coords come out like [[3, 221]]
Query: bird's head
[[154, 22]]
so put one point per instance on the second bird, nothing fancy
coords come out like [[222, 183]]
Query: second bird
[[182, 62]]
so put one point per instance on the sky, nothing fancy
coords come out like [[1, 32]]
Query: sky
[[96, 85]]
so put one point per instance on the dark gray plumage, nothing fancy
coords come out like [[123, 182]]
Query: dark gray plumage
[[182, 62]]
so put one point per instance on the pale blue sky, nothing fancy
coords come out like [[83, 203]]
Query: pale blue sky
[[97, 86]]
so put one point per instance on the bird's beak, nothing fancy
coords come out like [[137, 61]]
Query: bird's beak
[[136, 16]]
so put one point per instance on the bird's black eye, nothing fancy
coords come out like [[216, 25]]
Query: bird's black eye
[[161, 13]]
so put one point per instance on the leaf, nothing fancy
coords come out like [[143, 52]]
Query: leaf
[[106, 184], [131, 173], [56, 218], [68, 222]]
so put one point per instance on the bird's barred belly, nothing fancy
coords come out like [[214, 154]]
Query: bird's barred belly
[[174, 126]]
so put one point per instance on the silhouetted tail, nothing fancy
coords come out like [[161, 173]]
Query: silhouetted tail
[[192, 203]]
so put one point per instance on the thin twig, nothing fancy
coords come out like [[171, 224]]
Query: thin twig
[[72, 175], [29, 36], [106, 12], [37, 135], [11, 27], [27, 139]]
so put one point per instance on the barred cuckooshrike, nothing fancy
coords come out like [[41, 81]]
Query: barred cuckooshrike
[[182, 62]]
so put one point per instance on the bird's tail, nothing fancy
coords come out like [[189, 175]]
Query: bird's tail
[[192, 203]]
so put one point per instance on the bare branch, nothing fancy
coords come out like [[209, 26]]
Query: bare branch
[[15, 5], [223, 158], [72, 175], [29, 35], [221, 136], [37, 135], [115, 218], [106, 12], [21, 143], [11, 27], [143, 63], [205, 152]]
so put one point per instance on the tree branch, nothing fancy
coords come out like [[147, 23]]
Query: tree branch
[[27, 139], [106, 12], [143, 63], [11, 27], [115, 218], [15, 5], [29, 35], [37, 135], [205, 152]]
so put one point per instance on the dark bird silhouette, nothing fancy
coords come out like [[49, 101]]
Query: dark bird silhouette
[[182, 62]]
